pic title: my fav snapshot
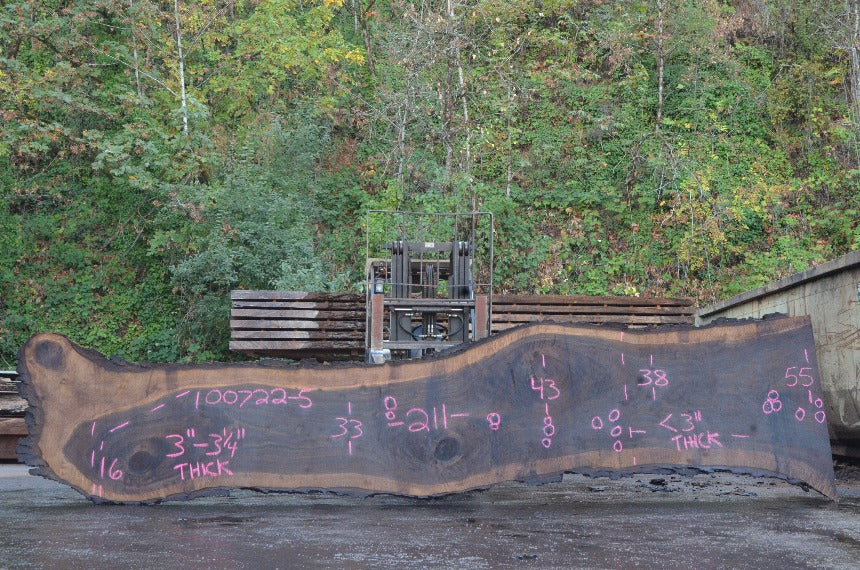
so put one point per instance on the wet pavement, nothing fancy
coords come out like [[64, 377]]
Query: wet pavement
[[648, 521]]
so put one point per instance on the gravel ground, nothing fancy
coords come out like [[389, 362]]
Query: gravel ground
[[717, 520]]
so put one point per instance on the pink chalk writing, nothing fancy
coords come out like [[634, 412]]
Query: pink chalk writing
[[616, 430], [495, 420], [114, 473], [156, 408], [704, 440], [789, 374], [212, 445], [120, 426], [419, 419], [687, 422], [105, 468], [651, 377], [197, 469], [546, 387], [548, 431], [772, 403], [548, 391], [690, 436], [820, 416], [348, 427], [255, 397], [420, 424], [178, 441], [797, 377], [390, 405]]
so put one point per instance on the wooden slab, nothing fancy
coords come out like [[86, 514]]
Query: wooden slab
[[526, 405], [11, 430]]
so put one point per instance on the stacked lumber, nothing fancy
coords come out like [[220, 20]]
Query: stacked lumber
[[297, 324], [514, 310], [12, 408], [331, 326]]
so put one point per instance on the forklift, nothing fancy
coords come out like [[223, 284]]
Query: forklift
[[429, 282]]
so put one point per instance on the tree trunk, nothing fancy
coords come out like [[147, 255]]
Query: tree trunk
[[661, 56], [183, 108], [134, 49], [461, 92], [854, 49], [360, 12]]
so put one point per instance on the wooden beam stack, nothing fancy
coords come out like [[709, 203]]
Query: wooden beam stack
[[294, 324], [514, 310], [331, 326]]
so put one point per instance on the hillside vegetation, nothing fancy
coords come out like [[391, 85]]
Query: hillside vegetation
[[156, 155]]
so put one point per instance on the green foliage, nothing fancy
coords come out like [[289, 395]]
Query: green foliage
[[252, 230], [127, 233]]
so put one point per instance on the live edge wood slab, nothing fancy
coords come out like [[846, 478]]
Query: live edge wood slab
[[527, 405]]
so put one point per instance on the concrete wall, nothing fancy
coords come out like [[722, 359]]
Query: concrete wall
[[830, 295]]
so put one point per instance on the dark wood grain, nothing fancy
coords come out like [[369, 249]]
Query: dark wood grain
[[529, 404]]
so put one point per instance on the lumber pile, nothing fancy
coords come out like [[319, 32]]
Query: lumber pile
[[295, 324], [332, 326]]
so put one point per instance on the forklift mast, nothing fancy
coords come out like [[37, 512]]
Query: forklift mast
[[429, 282]]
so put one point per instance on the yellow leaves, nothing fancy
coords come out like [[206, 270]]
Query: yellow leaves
[[757, 196], [354, 56]]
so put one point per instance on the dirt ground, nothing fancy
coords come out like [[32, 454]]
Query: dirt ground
[[717, 520]]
